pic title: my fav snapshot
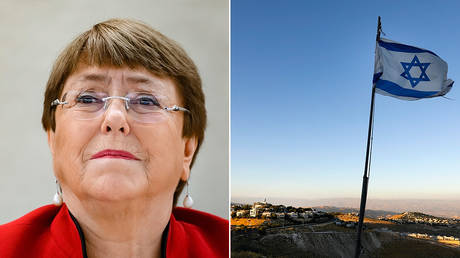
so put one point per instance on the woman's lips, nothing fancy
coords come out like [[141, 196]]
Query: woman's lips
[[114, 154]]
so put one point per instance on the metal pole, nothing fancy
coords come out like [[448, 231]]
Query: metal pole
[[362, 207]]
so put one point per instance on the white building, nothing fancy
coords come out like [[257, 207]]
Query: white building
[[254, 212]]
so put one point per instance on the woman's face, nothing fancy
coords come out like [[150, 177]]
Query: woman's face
[[113, 156]]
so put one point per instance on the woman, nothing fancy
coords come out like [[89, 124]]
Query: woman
[[125, 116]]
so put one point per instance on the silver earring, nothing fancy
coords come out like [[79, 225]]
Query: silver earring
[[188, 201], [57, 199]]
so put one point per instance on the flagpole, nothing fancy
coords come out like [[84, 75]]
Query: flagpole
[[362, 207]]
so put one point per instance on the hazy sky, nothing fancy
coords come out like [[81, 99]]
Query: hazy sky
[[300, 94]]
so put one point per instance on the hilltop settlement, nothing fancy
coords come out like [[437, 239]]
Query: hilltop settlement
[[264, 229]]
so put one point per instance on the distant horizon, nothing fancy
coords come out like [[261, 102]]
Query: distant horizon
[[437, 207], [326, 198]]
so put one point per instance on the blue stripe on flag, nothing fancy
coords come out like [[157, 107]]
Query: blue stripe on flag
[[403, 48], [397, 90]]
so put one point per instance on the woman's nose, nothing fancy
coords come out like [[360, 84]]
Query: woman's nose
[[115, 118]]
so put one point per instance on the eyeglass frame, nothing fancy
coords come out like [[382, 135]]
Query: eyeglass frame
[[57, 102]]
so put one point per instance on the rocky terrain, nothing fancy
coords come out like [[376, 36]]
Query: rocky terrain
[[313, 244], [411, 234], [290, 243], [266, 230]]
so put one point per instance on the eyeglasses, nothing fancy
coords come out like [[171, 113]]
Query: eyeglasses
[[142, 107]]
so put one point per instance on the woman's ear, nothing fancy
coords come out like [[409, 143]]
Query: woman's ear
[[190, 145], [50, 134]]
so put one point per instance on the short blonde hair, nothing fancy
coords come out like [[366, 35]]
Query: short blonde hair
[[122, 42]]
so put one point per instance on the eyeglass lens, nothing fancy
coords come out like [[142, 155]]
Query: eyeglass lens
[[141, 107]]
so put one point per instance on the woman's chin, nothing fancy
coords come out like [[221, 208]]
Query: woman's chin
[[114, 187]]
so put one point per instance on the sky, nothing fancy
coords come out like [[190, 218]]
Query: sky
[[301, 74]]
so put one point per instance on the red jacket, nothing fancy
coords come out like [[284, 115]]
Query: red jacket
[[51, 231]]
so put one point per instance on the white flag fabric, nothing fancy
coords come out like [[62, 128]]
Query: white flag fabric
[[409, 73]]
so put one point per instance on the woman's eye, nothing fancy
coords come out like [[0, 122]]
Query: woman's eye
[[87, 99], [147, 101]]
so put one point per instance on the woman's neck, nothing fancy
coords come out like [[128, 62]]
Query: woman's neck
[[122, 229]]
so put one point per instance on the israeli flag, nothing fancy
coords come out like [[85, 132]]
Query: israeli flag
[[409, 73]]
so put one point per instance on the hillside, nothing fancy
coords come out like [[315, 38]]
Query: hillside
[[413, 233], [444, 208], [413, 216], [369, 213], [334, 244], [354, 218]]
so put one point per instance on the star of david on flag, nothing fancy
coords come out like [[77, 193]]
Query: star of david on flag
[[408, 66], [408, 72]]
